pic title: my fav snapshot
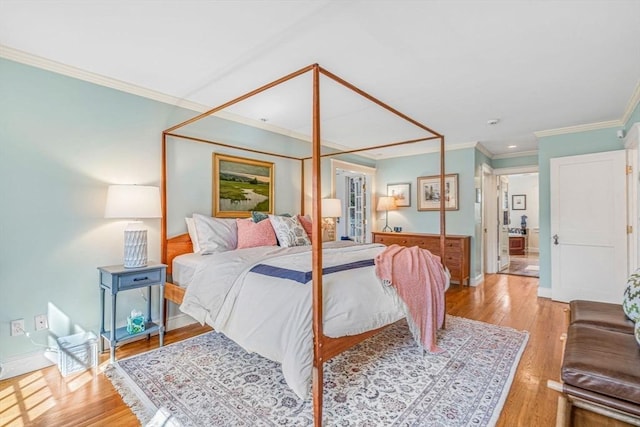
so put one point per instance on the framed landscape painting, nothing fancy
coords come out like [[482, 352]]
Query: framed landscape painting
[[429, 192], [240, 186]]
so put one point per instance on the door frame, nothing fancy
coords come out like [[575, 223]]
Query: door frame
[[492, 194], [489, 216], [370, 172]]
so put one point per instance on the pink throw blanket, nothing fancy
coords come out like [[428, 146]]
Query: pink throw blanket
[[420, 281]]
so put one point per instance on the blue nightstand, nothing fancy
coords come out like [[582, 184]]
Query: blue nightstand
[[116, 278]]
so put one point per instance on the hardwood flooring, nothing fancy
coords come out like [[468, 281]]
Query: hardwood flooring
[[44, 398]]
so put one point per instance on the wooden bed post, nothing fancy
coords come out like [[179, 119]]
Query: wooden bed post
[[316, 276], [443, 225]]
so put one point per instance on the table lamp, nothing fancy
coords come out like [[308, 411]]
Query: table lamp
[[386, 204], [134, 202], [331, 209]]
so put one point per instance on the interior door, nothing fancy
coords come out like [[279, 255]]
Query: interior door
[[503, 223], [588, 227], [357, 208]]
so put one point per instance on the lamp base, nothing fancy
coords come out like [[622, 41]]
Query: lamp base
[[386, 228], [135, 245]]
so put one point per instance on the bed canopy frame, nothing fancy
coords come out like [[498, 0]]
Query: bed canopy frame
[[324, 347]]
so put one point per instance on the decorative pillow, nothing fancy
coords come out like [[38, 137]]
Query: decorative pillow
[[215, 234], [289, 231], [191, 229], [251, 234], [307, 224], [259, 216], [631, 300], [637, 332]]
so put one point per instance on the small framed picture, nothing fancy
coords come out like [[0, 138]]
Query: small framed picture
[[429, 192], [400, 192], [519, 202]]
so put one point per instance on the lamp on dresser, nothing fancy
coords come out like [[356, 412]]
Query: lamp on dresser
[[331, 209], [386, 204], [134, 202]]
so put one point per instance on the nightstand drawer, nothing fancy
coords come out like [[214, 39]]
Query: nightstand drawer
[[139, 279]]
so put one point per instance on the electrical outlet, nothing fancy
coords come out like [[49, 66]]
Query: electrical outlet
[[17, 327], [41, 322]]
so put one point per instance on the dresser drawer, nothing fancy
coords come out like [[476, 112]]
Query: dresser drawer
[[136, 280], [457, 249]]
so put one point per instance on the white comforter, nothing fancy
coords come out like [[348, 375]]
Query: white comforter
[[272, 316]]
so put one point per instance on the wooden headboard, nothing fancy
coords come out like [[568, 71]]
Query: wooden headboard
[[177, 245]]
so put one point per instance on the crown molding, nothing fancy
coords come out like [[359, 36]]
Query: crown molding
[[579, 128], [632, 104], [512, 155], [481, 148]]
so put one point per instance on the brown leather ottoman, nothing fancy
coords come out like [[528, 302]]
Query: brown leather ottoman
[[602, 366], [600, 314]]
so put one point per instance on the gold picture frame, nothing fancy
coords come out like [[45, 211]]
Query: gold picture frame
[[241, 185], [429, 192]]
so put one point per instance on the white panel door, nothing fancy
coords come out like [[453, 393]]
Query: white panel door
[[588, 227]]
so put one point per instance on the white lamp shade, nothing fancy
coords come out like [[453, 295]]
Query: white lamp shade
[[331, 208], [386, 203], [133, 201]]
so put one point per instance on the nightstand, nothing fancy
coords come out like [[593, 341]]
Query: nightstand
[[116, 278]]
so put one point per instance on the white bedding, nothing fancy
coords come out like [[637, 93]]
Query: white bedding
[[272, 316], [184, 267]]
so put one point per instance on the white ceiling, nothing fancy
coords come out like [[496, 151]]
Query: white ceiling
[[451, 65]]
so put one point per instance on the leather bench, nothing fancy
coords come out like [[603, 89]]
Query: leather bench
[[600, 368]]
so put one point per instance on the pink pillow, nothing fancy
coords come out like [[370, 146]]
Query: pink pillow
[[307, 224], [252, 234]]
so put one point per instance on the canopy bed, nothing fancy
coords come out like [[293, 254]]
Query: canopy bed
[[324, 346]]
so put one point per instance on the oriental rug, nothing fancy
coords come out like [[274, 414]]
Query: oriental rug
[[386, 380]]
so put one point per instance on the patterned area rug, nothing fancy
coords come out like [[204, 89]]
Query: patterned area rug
[[209, 380]]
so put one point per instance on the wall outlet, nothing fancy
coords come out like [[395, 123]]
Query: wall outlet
[[41, 322], [17, 327]]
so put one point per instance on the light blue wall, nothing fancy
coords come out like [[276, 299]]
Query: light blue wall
[[512, 162], [408, 169], [595, 141], [62, 142]]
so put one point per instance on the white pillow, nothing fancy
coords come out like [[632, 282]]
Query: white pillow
[[289, 231], [215, 234], [191, 229]]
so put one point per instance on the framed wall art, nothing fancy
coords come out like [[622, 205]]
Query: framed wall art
[[429, 192], [241, 185], [401, 192], [519, 202]]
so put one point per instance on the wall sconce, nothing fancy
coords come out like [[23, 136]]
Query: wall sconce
[[331, 210], [133, 202], [386, 204]]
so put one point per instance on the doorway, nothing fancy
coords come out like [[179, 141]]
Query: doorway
[[517, 232], [352, 184]]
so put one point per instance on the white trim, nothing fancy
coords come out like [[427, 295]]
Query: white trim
[[516, 170], [481, 148], [178, 321], [12, 367], [544, 292], [476, 281], [518, 154], [579, 128], [632, 104]]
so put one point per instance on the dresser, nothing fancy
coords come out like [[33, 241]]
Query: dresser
[[457, 249]]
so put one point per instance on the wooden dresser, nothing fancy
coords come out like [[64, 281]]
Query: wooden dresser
[[457, 249]]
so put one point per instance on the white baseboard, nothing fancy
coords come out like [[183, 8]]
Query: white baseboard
[[12, 367], [477, 280], [18, 365], [178, 321], [544, 292]]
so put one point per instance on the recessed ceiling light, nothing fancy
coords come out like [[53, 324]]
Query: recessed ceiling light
[[512, 146], [493, 121]]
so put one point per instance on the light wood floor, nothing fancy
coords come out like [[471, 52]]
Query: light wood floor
[[44, 398]]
